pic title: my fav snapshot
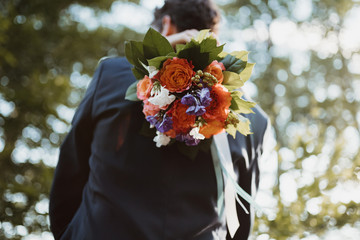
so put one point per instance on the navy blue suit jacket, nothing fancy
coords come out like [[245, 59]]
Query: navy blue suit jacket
[[112, 182]]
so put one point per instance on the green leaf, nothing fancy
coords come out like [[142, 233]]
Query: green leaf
[[138, 51], [246, 73], [201, 54], [129, 53], [232, 80], [139, 73], [210, 45], [233, 64], [204, 145], [156, 45], [146, 130], [179, 47], [131, 92], [240, 105], [134, 53], [189, 151], [157, 61], [199, 60]]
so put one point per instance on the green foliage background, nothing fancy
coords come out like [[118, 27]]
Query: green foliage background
[[42, 46]]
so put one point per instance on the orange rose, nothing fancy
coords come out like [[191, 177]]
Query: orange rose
[[211, 128], [176, 74], [182, 122], [150, 109], [219, 106], [215, 68], [144, 87]]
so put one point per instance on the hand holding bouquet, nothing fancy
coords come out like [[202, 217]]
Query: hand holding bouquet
[[192, 93]]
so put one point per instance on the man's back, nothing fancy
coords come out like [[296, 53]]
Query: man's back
[[112, 182]]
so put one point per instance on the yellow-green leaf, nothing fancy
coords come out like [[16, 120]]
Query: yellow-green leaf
[[203, 34], [223, 54], [240, 105], [243, 55], [230, 87], [243, 126], [230, 129], [232, 79], [246, 73]]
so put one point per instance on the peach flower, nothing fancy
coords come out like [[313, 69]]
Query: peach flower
[[215, 68], [144, 87], [150, 109]]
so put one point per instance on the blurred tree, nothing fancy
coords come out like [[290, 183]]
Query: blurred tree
[[41, 46], [310, 95]]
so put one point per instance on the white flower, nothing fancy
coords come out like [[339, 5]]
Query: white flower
[[152, 71], [161, 139], [162, 97], [195, 133]]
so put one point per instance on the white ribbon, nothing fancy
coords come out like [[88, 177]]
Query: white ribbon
[[220, 151]]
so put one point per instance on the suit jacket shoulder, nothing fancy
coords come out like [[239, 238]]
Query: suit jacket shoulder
[[115, 78]]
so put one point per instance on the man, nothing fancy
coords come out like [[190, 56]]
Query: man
[[112, 182]]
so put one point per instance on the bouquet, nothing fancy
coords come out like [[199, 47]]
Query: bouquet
[[192, 92]]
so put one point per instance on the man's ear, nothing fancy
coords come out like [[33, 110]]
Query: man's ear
[[168, 28]]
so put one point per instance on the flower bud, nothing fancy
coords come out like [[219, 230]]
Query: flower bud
[[200, 73]]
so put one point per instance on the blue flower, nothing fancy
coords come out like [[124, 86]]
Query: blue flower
[[197, 103]]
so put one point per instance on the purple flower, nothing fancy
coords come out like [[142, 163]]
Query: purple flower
[[152, 120], [165, 125], [162, 124], [188, 99], [204, 96], [197, 103], [189, 140]]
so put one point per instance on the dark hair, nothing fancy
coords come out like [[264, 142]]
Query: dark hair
[[188, 14]]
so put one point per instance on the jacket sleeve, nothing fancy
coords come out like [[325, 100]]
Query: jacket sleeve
[[72, 170]]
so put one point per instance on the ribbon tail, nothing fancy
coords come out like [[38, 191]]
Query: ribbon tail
[[241, 192], [223, 163], [219, 179], [231, 216]]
